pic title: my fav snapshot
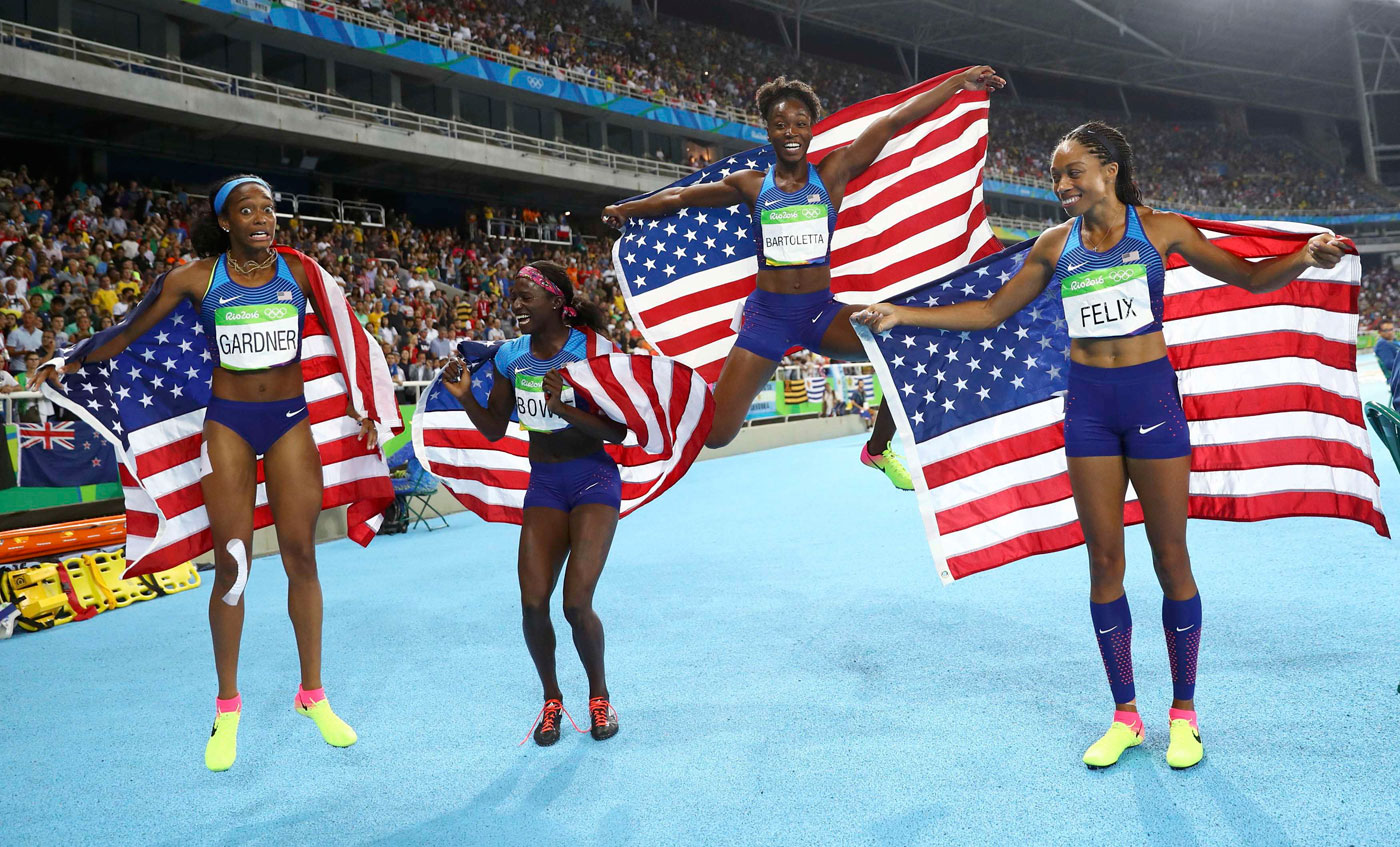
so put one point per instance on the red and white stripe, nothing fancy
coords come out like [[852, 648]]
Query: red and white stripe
[[667, 408], [914, 215], [1271, 396]]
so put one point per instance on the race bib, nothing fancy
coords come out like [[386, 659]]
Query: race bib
[[1108, 302], [530, 406], [257, 337], [794, 235]]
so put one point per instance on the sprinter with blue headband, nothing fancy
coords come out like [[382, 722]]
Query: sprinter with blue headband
[[252, 308]]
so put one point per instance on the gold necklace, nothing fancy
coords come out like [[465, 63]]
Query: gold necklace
[[250, 268], [1105, 236]]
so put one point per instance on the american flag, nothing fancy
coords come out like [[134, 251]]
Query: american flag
[[915, 213], [666, 406], [49, 434], [1268, 383], [149, 402]]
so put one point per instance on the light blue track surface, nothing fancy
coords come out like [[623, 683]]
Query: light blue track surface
[[788, 671]]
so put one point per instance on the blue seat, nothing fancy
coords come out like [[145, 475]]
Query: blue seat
[[1386, 422], [414, 489]]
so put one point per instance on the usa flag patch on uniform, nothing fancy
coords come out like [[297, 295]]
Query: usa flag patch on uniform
[[284, 295]]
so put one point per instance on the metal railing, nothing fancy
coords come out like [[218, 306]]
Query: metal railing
[[1019, 223], [326, 106], [1016, 179], [511, 228], [309, 207], [427, 35], [13, 397]]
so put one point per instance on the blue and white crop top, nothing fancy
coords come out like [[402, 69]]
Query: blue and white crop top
[[515, 362], [253, 329], [1115, 293], [793, 230]]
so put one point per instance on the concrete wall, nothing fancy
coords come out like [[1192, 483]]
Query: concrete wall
[[82, 84]]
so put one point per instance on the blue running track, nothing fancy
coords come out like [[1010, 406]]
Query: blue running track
[[787, 669]]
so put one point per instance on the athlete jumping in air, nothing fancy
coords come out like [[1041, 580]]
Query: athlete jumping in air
[[794, 207]]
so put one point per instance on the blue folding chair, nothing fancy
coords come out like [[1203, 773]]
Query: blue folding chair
[[414, 489], [1386, 422]]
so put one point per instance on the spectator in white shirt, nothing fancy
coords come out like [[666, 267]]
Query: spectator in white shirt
[[116, 224]]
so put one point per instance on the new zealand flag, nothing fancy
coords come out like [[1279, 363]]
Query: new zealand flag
[[59, 454]]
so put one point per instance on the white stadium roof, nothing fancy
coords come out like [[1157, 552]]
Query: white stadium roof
[[1287, 54]]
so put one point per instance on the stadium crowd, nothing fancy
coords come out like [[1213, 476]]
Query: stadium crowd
[[666, 58], [76, 257], [1380, 296], [1182, 165]]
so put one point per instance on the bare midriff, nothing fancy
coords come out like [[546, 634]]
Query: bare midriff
[[282, 383], [795, 280], [1118, 352]]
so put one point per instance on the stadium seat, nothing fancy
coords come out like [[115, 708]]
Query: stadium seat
[[1386, 422]]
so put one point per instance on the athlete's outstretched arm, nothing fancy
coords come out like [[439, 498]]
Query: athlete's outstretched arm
[[159, 301], [595, 425], [850, 161], [974, 315], [1323, 250], [490, 420], [729, 191]]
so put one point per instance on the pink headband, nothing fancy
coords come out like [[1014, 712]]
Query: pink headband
[[543, 282]]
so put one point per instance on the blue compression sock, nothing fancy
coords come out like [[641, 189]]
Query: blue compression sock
[[1113, 625], [1182, 621]]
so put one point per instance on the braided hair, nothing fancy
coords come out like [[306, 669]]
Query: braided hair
[[771, 92], [1107, 145]]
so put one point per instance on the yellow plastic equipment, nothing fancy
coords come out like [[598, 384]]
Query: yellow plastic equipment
[[110, 567], [88, 584], [91, 593], [39, 596], [179, 578]]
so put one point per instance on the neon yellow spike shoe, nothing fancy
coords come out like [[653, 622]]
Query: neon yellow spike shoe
[[1107, 750], [336, 731], [889, 463], [222, 748], [1185, 748]]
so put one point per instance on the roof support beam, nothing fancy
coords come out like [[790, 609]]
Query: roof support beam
[[903, 65], [1123, 29], [782, 28]]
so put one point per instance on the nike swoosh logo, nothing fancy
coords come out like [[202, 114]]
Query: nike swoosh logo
[[1073, 268], [1107, 631], [1184, 628], [771, 202], [587, 487], [223, 300], [1142, 431], [297, 412]]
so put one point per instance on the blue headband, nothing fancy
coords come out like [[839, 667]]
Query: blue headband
[[222, 196]]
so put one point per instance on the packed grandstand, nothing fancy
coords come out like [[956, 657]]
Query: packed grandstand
[[78, 254]]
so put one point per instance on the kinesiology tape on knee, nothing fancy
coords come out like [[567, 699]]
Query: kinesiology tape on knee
[[240, 558]]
